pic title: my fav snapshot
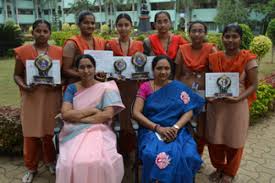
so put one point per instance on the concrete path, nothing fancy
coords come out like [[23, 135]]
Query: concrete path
[[258, 164]]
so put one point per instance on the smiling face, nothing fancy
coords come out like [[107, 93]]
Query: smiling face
[[87, 25], [86, 69], [231, 40], [162, 70], [41, 33], [197, 33], [162, 23], [124, 27]]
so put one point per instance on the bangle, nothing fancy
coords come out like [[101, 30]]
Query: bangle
[[176, 126], [156, 127]]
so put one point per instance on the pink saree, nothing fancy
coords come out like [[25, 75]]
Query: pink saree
[[88, 152]]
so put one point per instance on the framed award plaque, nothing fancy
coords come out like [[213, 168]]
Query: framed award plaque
[[221, 84]]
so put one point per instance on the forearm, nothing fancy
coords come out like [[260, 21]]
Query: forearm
[[100, 117], [184, 119], [142, 120], [248, 91], [19, 81], [77, 115]]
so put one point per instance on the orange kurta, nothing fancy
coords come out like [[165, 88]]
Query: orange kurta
[[173, 46], [195, 64], [128, 90], [227, 123], [81, 43], [135, 46], [39, 107]]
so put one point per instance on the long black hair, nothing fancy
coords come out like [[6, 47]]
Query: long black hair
[[85, 56], [124, 15], [233, 27], [83, 14], [41, 21]]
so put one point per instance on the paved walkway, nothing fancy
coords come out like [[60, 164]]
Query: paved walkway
[[258, 164]]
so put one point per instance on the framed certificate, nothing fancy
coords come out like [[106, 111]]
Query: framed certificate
[[37, 74], [221, 84]]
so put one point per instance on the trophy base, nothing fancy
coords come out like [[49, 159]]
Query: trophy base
[[221, 95], [44, 80], [140, 75]]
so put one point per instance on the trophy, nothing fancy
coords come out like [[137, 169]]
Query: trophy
[[139, 61], [120, 65], [43, 63], [224, 83]]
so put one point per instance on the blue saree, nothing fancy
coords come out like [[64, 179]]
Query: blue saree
[[165, 107]]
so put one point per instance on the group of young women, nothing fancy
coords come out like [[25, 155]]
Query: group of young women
[[162, 106]]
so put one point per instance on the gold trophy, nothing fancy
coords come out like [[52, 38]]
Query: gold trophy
[[224, 83], [139, 61], [120, 65]]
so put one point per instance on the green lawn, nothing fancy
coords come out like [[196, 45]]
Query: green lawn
[[9, 93]]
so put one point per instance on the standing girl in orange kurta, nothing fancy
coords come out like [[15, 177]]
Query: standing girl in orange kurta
[[163, 42], [76, 45], [228, 118], [191, 65], [125, 46], [39, 103]]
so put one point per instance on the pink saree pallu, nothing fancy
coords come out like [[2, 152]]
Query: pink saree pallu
[[88, 152]]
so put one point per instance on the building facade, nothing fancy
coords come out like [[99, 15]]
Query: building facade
[[25, 12]]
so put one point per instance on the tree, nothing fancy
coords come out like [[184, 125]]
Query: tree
[[265, 7], [230, 11], [270, 32]]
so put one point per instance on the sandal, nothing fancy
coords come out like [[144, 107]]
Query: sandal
[[226, 179], [215, 176], [28, 177]]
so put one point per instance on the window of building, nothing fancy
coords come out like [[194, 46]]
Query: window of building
[[46, 12], [163, 6], [205, 4], [125, 7], [25, 11]]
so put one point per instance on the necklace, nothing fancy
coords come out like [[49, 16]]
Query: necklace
[[93, 45], [128, 50], [40, 52], [155, 86]]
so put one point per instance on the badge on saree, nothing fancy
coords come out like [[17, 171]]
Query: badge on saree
[[139, 61], [43, 63], [224, 83], [120, 65]]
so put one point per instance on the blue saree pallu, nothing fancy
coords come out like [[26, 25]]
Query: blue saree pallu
[[165, 107]]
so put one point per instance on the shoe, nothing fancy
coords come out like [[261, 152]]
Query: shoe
[[51, 168], [226, 179], [215, 176], [28, 177]]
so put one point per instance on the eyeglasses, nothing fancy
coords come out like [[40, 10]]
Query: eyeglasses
[[200, 31]]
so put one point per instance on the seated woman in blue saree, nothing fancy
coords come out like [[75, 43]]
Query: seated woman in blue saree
[[162, 108]]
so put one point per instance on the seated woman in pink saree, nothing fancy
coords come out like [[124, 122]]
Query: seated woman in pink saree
[[87, 143]]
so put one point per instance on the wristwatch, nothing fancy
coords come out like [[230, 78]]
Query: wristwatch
[[176, 126]]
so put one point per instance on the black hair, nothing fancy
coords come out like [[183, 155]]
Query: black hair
[[160, 57], [233, 27], [124, 15], [198, 22], [77, 62], [41, 21], [162, 12], [83, 14]]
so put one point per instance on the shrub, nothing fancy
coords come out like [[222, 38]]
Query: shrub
[[11, 137], [260, 45], [216, 39], [247, 36], [65, 27], [265, 101], [62, 36], [11, 37], [105, 32]]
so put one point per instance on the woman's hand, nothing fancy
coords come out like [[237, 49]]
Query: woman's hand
[[101, 76], [214, 100], [230, 99], [28, 88], [167, 133]]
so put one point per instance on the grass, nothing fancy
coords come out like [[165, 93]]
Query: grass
[[8, 90], [10, 94]]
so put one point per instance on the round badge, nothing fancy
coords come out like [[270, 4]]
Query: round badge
[[43, 62], [224, 82], [120, 65], [139, 60]]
